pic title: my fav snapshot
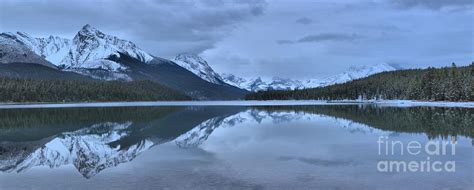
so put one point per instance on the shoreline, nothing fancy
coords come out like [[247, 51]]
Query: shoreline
[[387, 103]]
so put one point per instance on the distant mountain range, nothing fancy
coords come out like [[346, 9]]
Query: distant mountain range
[[201, 68], [96, 55], [259, 84]]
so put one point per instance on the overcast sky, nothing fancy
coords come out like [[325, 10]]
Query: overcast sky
[[284, 38]]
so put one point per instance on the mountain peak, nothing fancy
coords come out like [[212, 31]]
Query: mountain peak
[[187, 57], [198, 66], [88, 30], [88, 27]]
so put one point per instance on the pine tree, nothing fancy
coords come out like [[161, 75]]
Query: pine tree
[[427, 85], [454, 93]]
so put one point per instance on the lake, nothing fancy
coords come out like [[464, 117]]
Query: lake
[[237, 147]]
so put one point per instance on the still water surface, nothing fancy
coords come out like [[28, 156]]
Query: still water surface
[[231, 147]]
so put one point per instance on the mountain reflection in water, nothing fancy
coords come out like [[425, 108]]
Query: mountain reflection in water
[[94, 139]]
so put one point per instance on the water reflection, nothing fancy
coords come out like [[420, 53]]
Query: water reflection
[[91, 139], [434, 122], [94, 139]]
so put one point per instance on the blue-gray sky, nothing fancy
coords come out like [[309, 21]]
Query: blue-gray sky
[[284, 38]]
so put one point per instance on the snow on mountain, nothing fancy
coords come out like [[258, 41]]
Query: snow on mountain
[[88, 49], [199, 67], [14, 51], [250, 84], [258, 84], [352, 74], [53, 48], [284, 84], [90, 44]]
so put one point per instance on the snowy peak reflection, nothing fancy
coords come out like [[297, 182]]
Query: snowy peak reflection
[[88, 149], [201, 133], [76, 137]]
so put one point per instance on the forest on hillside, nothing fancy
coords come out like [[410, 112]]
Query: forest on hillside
[[431, 84], [55, 90]]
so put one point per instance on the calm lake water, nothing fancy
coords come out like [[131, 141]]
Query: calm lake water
[[237, 147]]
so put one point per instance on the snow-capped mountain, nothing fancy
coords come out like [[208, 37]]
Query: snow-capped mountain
[[352, 74], [258, 84], [199, 67], [90, 44], [88, 49], [250, 84]]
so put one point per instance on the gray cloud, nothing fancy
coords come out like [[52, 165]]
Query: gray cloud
[[151, 24], [432, 4], [329, 37], [304, 21], [322, 37], [285, 42]]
